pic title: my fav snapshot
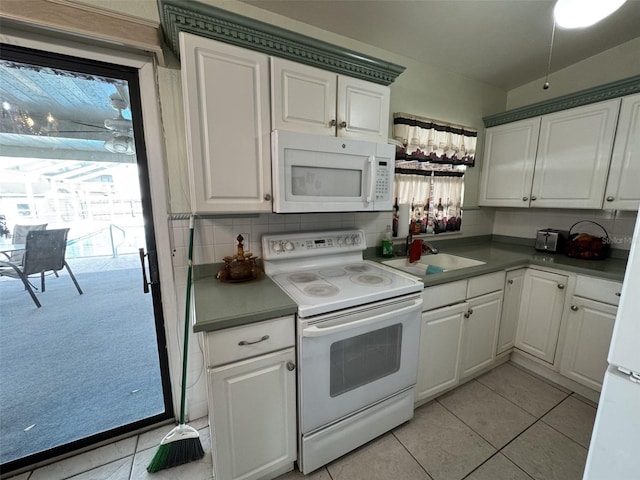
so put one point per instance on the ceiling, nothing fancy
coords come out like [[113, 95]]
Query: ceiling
[[504, 43]]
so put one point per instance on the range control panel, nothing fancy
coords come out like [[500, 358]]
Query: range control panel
[[292, 245]]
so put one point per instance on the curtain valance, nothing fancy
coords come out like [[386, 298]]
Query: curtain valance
[[426, 140]]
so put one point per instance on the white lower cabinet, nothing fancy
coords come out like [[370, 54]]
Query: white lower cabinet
[[440, 341], [510, 309], [587, 339], [458, 340], [541, 313], [253, 416], [480, 333]]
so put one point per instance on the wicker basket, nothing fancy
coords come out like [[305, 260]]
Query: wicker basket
[[587, 246]]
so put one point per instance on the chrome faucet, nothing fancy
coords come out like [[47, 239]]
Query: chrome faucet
[[429, 248]]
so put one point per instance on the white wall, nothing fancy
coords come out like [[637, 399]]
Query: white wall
[[611, 65]]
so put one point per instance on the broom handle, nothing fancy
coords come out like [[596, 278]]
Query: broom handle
[[187, 312]]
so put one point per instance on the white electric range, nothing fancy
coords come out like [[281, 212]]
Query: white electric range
[[358, 330]]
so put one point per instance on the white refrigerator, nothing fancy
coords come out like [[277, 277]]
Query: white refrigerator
[[614, 452]]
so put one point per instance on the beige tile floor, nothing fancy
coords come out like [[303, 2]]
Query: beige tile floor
[[505, 425]]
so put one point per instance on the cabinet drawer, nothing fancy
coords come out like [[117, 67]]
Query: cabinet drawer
[[605, 291], [492, 282], [247, 341], [442, 295]]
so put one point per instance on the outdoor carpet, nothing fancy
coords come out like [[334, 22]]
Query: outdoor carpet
[[80, 365]]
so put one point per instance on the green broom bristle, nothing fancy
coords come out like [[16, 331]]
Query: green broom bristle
[[176, 453]]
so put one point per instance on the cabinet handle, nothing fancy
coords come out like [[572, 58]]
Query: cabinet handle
[[618, 294], [244, 342], [469, 313], [291, 366], [510, 282], [267, 196], [574, 308], [332, 123], [533, 198], [343, 124], [561, 286], [610, 199], [524, 199]]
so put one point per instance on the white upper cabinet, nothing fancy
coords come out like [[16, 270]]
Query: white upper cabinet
[[226, 101], [311, 100], [508, 161], [573, 156], [560, 160], [622, 191]]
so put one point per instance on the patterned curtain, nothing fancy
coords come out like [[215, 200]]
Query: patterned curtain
[[426, 140]]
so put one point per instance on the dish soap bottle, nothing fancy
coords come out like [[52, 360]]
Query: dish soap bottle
[[387, 243]]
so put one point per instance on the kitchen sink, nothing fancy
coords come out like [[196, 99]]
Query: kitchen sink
[[429, 264]]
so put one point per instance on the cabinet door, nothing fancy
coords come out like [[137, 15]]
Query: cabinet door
[[363, 110], [541, 313], [303, 98], [507, 164], [622, 191], [253, 416], [440, 339], [589, 329], [574, 152], [510, 309], [226, 102], [480, 333]]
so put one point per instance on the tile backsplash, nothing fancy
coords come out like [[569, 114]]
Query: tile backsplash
[[215, 238], [525, 222]]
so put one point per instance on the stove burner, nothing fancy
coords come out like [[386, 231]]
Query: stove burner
[[370, 280], [331, 272], [359, 268], [302, 277], [321, 290]]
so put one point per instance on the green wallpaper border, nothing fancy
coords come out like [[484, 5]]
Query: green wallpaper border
[[211, 22], [607, 91]]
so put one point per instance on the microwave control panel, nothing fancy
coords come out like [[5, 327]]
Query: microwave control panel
[[384, 179]]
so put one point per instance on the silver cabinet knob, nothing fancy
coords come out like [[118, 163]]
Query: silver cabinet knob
[[524, 199], [574, 308], [561, 286], [618, 294], [610, 199], [343, 124], [533, 198], [510, 282], [267, 196], [332, 123], [291, 366]]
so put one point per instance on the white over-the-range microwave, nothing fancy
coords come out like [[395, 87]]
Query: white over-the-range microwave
[[315, 173]]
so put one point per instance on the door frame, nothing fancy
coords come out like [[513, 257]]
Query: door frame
[[156, 167]]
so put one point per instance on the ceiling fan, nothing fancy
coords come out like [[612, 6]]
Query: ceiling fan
[[120, 129]]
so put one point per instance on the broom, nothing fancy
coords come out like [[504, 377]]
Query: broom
[[182, 444]]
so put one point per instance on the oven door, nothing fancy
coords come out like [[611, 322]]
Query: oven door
[[353, 359]]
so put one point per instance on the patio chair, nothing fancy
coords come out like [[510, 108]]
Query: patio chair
[[44, 252], [20, 237]]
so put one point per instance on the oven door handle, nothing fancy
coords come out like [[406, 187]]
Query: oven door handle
[[315, 331], [372, 178]]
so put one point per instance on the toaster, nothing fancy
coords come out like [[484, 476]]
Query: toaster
[[551, 240]]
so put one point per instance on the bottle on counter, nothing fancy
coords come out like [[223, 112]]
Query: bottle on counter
[[387, 243]]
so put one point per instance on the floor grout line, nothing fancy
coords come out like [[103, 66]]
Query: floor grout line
[[393, 432]]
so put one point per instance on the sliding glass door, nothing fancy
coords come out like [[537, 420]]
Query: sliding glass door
[[82, 367]]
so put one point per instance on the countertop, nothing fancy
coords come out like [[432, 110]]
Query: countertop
[[502, 254], [220, 305]]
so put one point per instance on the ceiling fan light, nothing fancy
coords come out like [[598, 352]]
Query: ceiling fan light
[[583, 13], [117, 144]]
